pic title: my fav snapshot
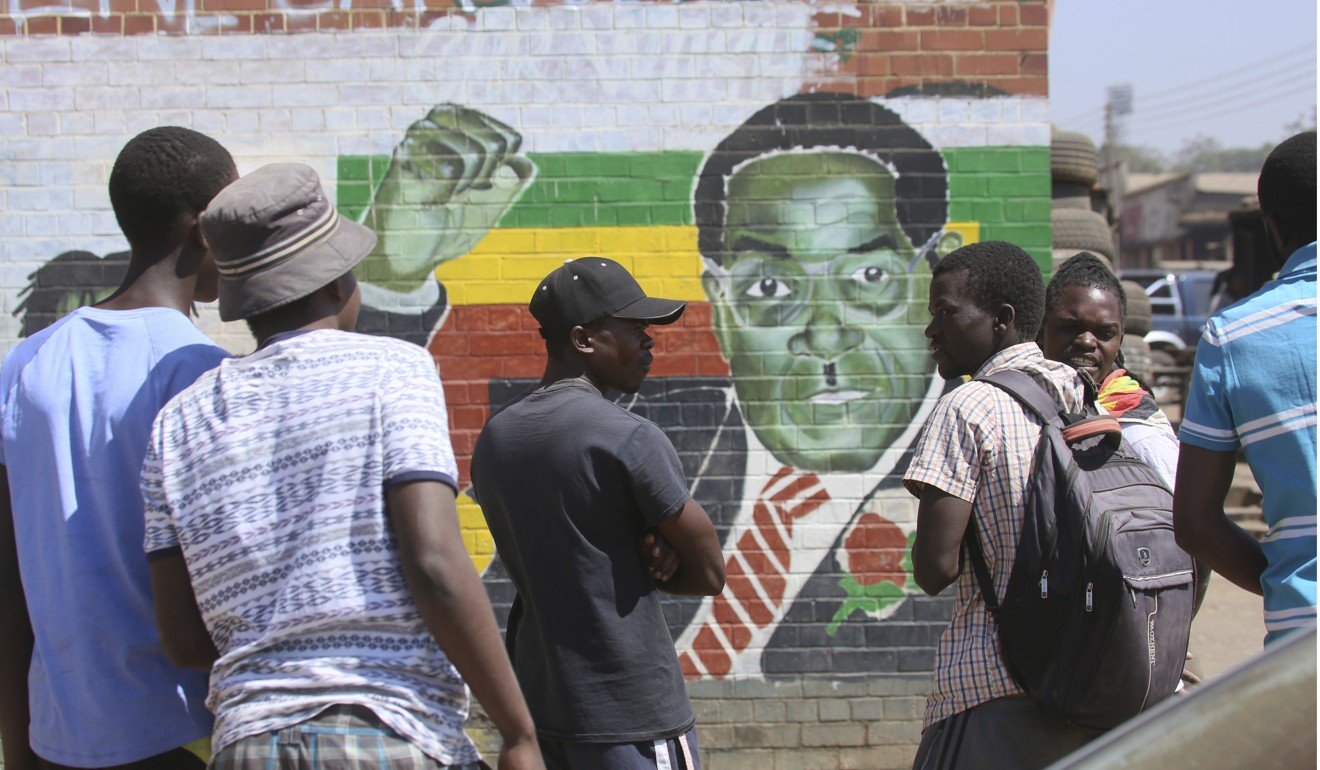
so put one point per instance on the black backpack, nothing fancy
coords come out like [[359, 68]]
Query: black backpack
[[1095, 620]]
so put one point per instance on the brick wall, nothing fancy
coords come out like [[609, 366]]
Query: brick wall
[[488, 141]]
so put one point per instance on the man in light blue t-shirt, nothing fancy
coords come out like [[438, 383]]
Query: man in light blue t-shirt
[[83, 679], [1254, 388]]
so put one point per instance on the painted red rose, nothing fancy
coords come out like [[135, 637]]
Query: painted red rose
[[875, 550]]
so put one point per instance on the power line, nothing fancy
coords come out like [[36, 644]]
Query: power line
[[1273, 63], [1090, 114], [1182, 110], [1232, 107], [1214, 78], [1237, 82]]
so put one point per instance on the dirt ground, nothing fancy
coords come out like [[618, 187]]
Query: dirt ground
[[1229, 629]]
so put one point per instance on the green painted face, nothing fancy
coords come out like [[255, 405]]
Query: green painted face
[[816, 307]]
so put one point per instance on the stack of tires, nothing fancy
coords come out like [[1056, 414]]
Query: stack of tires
[[1135, 349], [1074, 170]]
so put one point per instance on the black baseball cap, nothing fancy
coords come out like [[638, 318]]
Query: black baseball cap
[[583, 290]]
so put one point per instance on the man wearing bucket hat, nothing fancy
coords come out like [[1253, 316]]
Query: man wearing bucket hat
[[300, 516], [569, 483]]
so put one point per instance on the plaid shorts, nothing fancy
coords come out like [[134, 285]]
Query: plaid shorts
[[339, 738]]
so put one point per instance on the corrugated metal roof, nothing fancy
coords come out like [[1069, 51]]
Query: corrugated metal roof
[[1233, 183], [1139, 183]]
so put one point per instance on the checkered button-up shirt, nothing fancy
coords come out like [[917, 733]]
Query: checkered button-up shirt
[[977, 445]]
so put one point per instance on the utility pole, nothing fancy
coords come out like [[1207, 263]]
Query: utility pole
[[1113, 177]]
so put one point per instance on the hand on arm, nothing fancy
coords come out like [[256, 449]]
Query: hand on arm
[[453, 603], [700, 565], [15, 645], [658, 556], [941, 523], [183, 634], [1200, 525]]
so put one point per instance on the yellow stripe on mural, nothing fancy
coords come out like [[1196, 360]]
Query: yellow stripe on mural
[[476, 536], [504, 267]]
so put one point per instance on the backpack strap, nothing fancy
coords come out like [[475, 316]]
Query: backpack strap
[[1026, 391], [982, 571], [1039, 402]]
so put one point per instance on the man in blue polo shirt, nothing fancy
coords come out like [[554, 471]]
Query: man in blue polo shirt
[[1254, 387]]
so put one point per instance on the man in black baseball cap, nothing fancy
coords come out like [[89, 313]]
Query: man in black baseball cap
[[588, 289], [570, 483]]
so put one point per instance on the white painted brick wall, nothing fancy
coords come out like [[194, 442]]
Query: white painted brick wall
[[634, 77]]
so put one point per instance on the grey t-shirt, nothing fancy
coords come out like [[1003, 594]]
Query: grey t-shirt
[[569, 482]]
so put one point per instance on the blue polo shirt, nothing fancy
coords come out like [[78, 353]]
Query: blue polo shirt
[[77, 400], [1254, 387]]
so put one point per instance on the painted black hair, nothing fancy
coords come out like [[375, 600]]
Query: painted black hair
[[998, 273], [825, 121], [71, 280]]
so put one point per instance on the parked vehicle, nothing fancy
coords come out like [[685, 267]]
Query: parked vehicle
[[1180, 302]]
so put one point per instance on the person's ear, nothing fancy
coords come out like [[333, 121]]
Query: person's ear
[[1005, 318], [579, 338], [1272, 229], [193, 246], [341, 289], [195, 236]]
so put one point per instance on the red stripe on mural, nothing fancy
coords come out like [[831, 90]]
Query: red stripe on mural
[[765, 524], [804, 508], [711, 651], [480, 343], [731, 625], [744, 590], [770, 573]]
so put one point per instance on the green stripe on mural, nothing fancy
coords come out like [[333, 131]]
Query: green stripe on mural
[[607, 190], [571, 189], [1006, 189]]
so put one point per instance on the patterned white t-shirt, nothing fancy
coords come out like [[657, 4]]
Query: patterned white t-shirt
[[269, 473]]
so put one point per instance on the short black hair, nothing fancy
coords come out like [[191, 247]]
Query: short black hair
[[828, 121], [78, 275], [998, 273], [1085, 269], [163, 174], [1286, 187]]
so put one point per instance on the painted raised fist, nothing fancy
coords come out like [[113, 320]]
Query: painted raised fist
[[452, 177]]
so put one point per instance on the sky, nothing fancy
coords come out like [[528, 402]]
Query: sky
[[1236, 71]]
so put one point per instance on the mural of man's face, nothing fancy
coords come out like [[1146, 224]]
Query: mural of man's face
[[815, 308]]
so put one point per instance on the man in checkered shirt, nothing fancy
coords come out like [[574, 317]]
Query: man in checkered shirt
[[973, 458]]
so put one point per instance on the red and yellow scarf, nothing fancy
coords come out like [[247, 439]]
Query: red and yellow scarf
[[1119, 393]]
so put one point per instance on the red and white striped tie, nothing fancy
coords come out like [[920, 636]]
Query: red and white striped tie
[[756, 574]]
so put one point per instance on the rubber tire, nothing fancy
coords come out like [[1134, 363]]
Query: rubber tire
[[1136, 357], [1073, 158], [1138, 309], [1066, 195], [1167, 390], [1082, 229]]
